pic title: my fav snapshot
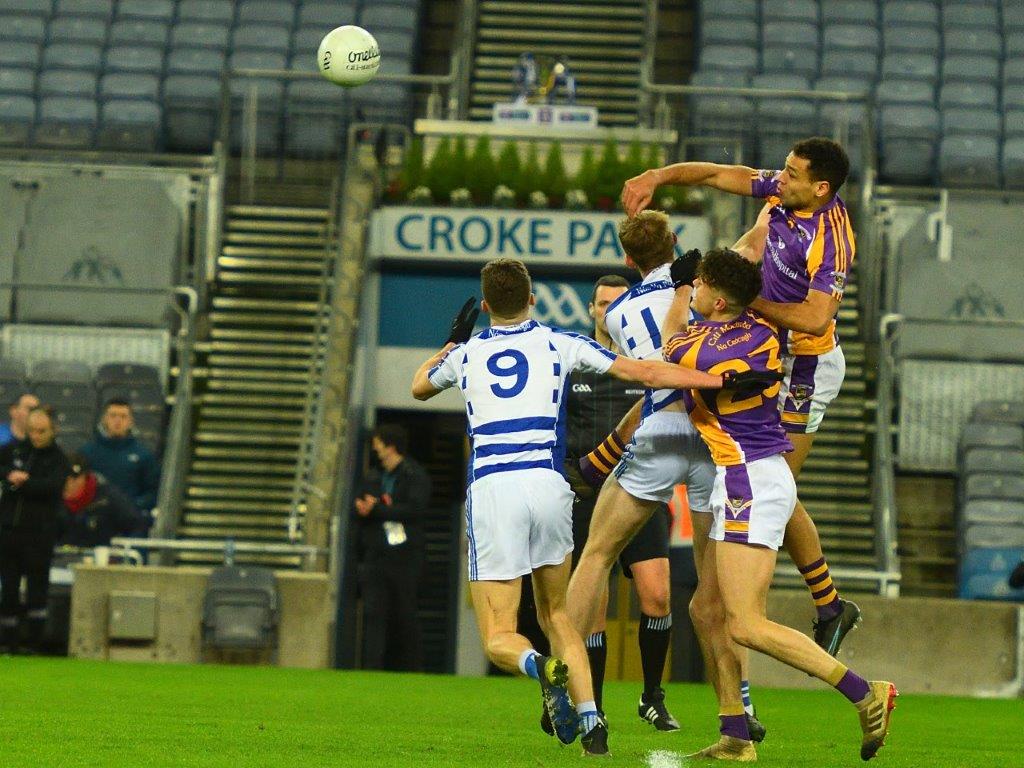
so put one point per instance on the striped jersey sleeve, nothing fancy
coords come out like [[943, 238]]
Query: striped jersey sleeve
[[582, 352], [446, 373], [831, 253], [764, 184]]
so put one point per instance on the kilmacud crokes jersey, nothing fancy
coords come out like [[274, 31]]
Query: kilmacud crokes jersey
[[804, 252], [513, 379], [737, 429]]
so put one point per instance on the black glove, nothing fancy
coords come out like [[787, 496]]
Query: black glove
[[749, 383], [684, 269], [462, 324]]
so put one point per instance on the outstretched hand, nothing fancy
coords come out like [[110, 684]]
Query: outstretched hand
[[638, 192], [463, 322], [684, 269]]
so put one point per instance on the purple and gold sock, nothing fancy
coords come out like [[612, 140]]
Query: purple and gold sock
[[819, 581], [851, 685], [733, 722]]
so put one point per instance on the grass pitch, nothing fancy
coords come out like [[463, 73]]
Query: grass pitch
[[59, 713]]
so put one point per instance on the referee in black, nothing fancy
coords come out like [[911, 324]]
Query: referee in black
[[594, 406]]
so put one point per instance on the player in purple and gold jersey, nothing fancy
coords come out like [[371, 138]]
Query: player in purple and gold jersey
[[752, 500], [805, 245]]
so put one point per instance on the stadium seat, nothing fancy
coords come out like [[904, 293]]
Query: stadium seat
[[132, 373], [326, 16], [386, 102], [959, 14], [729, 31], [850, 113], [993, 537], [977, 95], [394, 44], [72, 56], [20, 54], [66, 122], [993, 460], [17, 113], [139, 32], [220, 11], [972, 41], [261, 37], [910, 66], [722, 115], [101, 8], [270, 99], [306, 41], [1013, 17], [146, 9], [790, 34], [315, 129], [993, 512], [905, 92], [789, 60], [853, 11], [72, 422], [129, 85], [27, 7], [145, 397], [910, 38], [200, 35], [267, 89], [191, 61], [919, 12], [12, 369], [1013, 45], [977, 122], [969, 68], [849, 62], [191, 107], [1013, 123], [135, 59], [240, 608], [22, 27], [984, 485], [1000, 411], [388, 16], [1013, 162], [78, 29], [129, 124], [969, 161], [17, 81], [738, 57], [909, 133], [729, 9], [67, 82], [1013, 96], [62, 371], [1013, 71], [858, 37], [791, 10], [266, 11], [984, 573]]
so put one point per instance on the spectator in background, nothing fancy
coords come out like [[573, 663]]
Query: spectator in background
[[390, 514], [97, 511], [122, 459], [32, 475], [16, 429]]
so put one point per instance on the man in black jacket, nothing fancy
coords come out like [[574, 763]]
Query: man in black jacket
[[32, 475], [390, 517]]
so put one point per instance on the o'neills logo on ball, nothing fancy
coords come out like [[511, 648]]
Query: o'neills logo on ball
[[327, 60], [363, 59]]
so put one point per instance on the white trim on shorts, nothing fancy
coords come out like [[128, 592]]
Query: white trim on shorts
[[752, 503]]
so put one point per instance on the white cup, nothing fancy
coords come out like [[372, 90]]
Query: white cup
[[101, 556]]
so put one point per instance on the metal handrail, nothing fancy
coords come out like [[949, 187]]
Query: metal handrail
[[128, 544]]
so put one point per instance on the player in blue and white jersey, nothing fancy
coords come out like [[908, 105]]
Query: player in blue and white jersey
[[519, 505]]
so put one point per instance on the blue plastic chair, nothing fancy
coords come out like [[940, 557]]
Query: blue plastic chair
[[384, 16], [1013, 162], [222, 11], [20, 54], [266, 11], [189, 34], [1013, 123], [146, 9], [960, 14], [72, 56], [977, 122], [977, 95], [327, 16], [17, 113], [27, 7], [67, 82], [191, 61], [854, 11], [139, 32], [135, 59], [22, 27], [78, 29], [791, 10], [836, 61], [972, 41], [970, 68], [740, 57], [66, 122], [969, 161], [129, 124], [191, 108], [910, 66], [129, 85], [905, 92], [729, 31], [17, 81], [918, 12], [101, 8], [910, 38], [261, 37], [860, 37]]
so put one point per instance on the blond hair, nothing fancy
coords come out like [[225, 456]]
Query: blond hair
[[647, 239]]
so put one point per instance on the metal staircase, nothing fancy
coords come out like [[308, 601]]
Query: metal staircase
[[835, 484], [256, 369], [604, 40]]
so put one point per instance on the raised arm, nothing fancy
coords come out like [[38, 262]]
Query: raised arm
[[638, 191], [422, 389], [751, 243], [812, 315]]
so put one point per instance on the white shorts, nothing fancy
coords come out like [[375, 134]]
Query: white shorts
[[666, 451], [753, 502], [811, 383], [516, 522]]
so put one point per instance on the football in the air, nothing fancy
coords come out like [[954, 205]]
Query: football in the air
[[348, 56]]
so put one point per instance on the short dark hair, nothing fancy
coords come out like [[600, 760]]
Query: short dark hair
[[614, 281], [725, 270], [648, 239], [119, 401], [394, 435], [79, 464], [826, 160], [506, 286], [49, 410]]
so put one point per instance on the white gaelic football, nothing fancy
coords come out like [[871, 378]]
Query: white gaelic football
[[348, 56]]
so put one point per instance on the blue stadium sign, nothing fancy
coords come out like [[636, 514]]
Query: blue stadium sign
[[561, 238]]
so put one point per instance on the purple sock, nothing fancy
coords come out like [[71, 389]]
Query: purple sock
[[853, 687], [735, 726]]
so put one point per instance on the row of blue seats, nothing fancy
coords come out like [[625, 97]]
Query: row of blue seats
[[1009, 14], [219, 11]]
